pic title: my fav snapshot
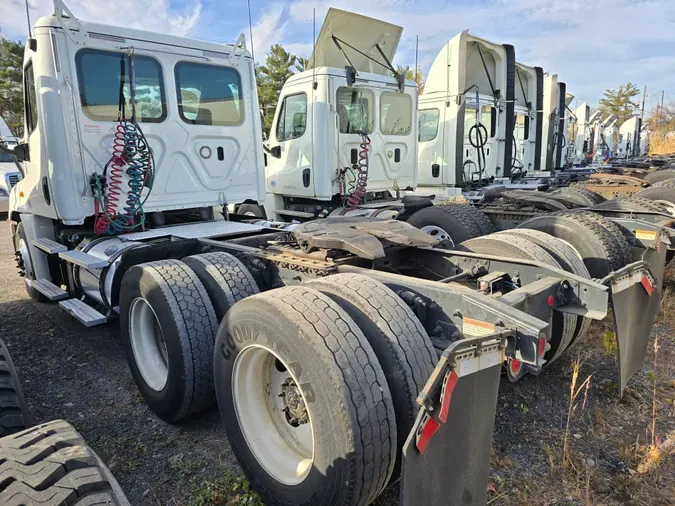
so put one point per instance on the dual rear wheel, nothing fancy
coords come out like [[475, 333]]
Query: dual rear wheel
[[316, 384]]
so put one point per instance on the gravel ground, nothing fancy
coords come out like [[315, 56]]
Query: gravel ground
[[81, 375]]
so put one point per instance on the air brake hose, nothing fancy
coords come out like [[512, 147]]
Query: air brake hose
[[478, 136], [359, 192], [131, 156], [517, 165]]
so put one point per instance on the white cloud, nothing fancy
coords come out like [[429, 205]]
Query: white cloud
[[269, 29], [152, 15]]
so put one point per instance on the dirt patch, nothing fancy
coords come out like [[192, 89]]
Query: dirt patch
[[619, 451]]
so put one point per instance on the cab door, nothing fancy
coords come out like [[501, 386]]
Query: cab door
[[432, 161], [289, 159]]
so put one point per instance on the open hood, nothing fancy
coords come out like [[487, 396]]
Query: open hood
[[360, 32], [568, 99]]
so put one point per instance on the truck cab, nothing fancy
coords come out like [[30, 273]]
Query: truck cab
[[582, 134], [554, 127], [467, 115], [629, 135], [527, 131], [348, 110], [192, 104]]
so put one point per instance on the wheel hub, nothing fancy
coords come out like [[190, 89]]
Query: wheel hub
[[439, 234], [294, 407]]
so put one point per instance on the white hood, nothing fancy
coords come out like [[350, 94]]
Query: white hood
[[360, 32]]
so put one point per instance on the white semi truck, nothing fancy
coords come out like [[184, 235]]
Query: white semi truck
[[467, 113], [345, 130], [528, 130], [320, 344]]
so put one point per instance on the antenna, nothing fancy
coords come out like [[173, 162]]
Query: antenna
[[313, 49], [250, 30], [30, 35], [417, 47]]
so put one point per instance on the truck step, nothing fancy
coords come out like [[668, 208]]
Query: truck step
[[49, 246], [87, 315], [83, 259], [48, 289], [296, 214]]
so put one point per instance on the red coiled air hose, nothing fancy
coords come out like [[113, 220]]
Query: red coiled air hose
[[116, 165], [359, 192]]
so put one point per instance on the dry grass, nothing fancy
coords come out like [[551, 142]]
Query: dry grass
[[602, 451], [661, 145]]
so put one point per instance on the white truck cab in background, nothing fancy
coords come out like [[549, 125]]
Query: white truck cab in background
[[554, 129], [317, 142], [629, 138], [466, 115], [527, 130], [10, 170]]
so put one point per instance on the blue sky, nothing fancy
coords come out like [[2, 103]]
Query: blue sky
[[590, 44]]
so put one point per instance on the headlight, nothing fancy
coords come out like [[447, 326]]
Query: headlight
[[3, 193]]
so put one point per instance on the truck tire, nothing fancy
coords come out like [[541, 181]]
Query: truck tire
[[25, 263], [624, 250], [563, 324], [594, 244], [304, 400], [252, 211], [482, 220], [13, 408], [659, 175], [225, 278], [51, 465], [570, 261], [447, 223], [168, 329], [580, 195], [639, 204], [397, 337], [662, 192]]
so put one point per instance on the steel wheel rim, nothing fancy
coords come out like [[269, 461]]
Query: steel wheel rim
[[438, 233], [148, 344], [284, 451], [25, 259]]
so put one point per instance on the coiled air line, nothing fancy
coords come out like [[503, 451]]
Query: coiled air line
[[132, 157]]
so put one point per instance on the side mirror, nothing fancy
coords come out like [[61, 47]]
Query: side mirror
[[20, 152], [275, 151]]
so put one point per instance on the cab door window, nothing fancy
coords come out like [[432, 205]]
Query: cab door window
[[292, 121], [30, 98]]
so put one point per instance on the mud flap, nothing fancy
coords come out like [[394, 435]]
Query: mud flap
[[636, 297], [446, 458]]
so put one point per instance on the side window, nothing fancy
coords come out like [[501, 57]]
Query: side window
[[522, 127], [395, 113], [99, 75], [30, 98], [428, 124], [292, 121], [488, 117], [209, 94], [355, 110]]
